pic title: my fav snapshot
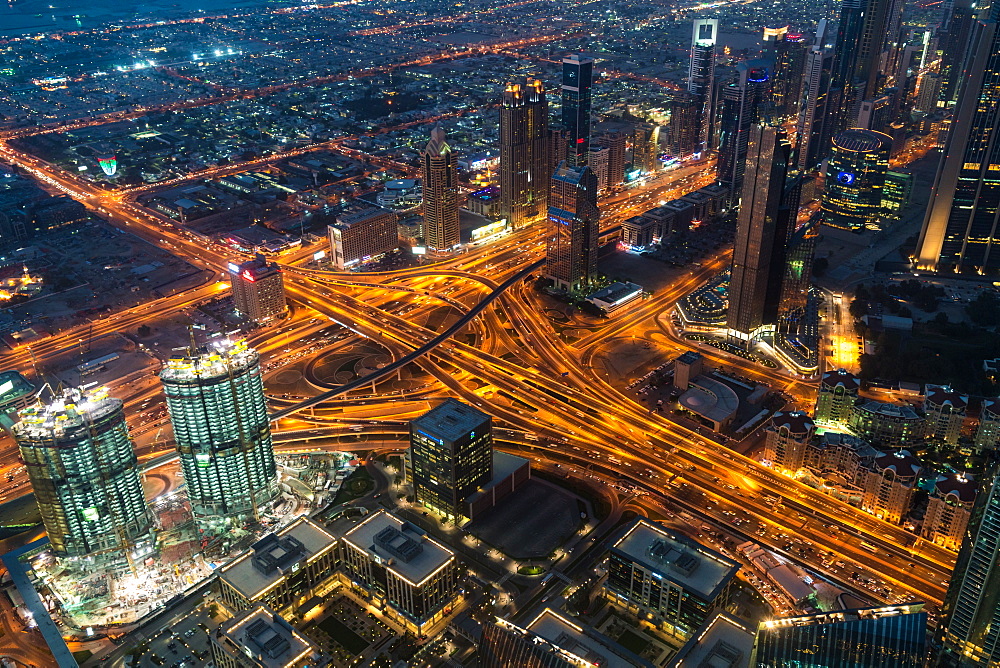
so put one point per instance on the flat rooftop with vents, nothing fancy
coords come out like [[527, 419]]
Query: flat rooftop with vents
[[261, 635], [401, 547], [450, 421], [677, 558], [274, 555]]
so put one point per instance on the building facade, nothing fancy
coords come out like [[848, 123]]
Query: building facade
[[788, 439], [838, 391], [666, 578], [948, 510], [885, 636], [739, 111], [988, 432], [258, 289], [406, 574], [945, 411], [855, 179], [573, 228], [888, 485], [525, 166], [83, 470], [701, 77], [886, 425], [440, 189], [960, 231], [219, 417], [576, 90], [362, 235], [451, 455], [762, 231]]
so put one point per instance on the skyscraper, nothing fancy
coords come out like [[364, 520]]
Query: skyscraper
[[701, 76], [524, 160], [684, 127], [968, 635], [762, 231], [440, 187], [215, 396], [577, 81], [451, 455], [885, 636], [855, 178], [960, 229], [787, 54], [739, 103], [814, 121], [571, 244], [85, 475], [258, 289], [615, 142], [958, 25]]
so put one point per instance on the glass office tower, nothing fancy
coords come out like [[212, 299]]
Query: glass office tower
[[451, 455], [524, 154], [577, 82], [573, 228], [85, 475], [219, 415], [855, 179], [887, 636]]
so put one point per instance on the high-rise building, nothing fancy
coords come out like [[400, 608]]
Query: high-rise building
[[762, 232], [814, 122], [559, 145], [797, 334], [988, 432], [684, 126], [701, 76], [577, 82], [888, 485], [258, 289], [884, 636], [861, 52], [876, 113], [525, 166], [666, 578], [886, 425], [616, 143], [960, 229], [787, 54], [958, 23], [968, 635], [787, 440], [215, 396], [451, 455], [599, 162], [838, 390], [739, 109], [413, 577], [855, 178], [571, 245], [945, 411], [646, 147], [362, 235], [440, 188], [83, 470], [949, 507]]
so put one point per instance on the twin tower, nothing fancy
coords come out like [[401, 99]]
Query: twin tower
[[86, 477]]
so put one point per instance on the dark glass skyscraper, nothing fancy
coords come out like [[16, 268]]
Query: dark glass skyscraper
[[961, 231], [887, 636], [571, 243], [814, 122], [968, 635], [762, 231], [451, 455], [701, 76], [577, 82], [740, 102], [524, 155]]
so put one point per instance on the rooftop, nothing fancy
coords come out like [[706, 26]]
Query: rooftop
[[13, 386], [450, 420], [69, 410], [963, 486], [584, 641], [903, 412], [255, 268], [676, 558], [941, 395], [218, 358], [710, 399], [796, 422], [723, 642], [403, 548], [840, 377], [271, 557], [842, 616], [267, 638]]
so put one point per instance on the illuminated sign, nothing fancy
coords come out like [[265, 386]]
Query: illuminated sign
[[580, 140], [234, 268], [248, 276], [846, 178], [91, 514], [419, 250], [6, 387], [319, 255], [488, 230], [109, 164]]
